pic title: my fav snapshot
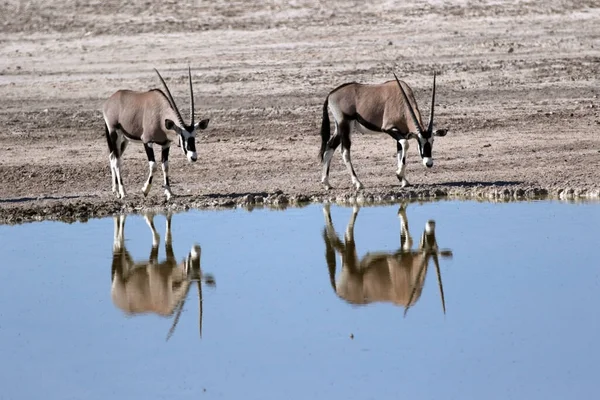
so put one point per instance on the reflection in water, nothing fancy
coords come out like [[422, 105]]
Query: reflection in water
[[396, 277], [151, 286]]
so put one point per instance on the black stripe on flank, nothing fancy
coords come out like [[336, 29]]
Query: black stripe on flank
[[367, 124], [127, 134]]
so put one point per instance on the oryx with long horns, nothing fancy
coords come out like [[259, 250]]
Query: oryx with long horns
[[150, 118], [153, 286], [388, 107], [396, 277]]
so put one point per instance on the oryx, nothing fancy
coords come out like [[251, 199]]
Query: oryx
[[148, 117], [150, 286], [388, 107], [396, 277]]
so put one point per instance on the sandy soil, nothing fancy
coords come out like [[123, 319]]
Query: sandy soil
[[518, 88]]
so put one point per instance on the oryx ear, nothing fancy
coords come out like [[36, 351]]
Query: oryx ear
[[169, 124], [440, 132], [202, 124]]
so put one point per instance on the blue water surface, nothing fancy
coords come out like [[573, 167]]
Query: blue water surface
[[521, 293]]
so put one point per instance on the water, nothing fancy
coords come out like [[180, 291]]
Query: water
[[521, 292]]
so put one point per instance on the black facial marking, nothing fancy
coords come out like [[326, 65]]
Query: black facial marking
[[191, 144], [427, 150]]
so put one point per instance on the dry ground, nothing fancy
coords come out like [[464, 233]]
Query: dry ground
[[517, 87]]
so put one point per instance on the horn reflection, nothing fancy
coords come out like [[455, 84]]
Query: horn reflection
[[395, 277], [153, 286]]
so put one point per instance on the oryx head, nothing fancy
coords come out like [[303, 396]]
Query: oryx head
[[424, 137], [185, 133]]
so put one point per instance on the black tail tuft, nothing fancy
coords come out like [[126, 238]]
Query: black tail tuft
[[325, 129]]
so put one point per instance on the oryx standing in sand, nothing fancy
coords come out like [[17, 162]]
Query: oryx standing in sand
[[148, 117], [389, 107], [150, 286], [396, 277]]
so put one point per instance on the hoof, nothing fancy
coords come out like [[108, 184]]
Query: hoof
[[403, 182]]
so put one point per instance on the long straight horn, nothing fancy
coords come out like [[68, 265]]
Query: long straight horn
[[170, 98], [430, 127], [439, 277], [191, 97], [412, 112]]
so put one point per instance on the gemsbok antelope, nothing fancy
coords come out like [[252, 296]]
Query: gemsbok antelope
[[388, 107], [150, 118], [150, 286], [396, 277]]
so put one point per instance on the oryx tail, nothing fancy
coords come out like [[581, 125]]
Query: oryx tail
[[325, 129]]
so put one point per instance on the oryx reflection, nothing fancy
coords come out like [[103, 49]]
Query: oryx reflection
[[397, 277], [150, 286]]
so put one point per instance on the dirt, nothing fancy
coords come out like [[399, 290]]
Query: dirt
[[518, 86]]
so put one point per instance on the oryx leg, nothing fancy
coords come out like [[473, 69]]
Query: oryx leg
[[117, 163], [349, 236], [149, 218], [165, 169], [328, 221], [332, 144], [406, 241], [119, 237], [168, 235], [346, 143], [402, 148], [117, 145], [152, 167]]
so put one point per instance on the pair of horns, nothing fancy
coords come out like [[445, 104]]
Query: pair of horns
[[412, 112], [173, 101]]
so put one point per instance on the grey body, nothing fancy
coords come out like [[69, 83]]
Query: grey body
[[389, 107], [153, 286], [149, 118], [140, 115], [395, 277]]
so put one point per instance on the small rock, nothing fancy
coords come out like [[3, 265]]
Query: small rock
[[487, 145], [510, 49]]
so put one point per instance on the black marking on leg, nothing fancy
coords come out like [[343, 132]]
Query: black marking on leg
[[150, 180], [165, 154], [334, 142], [149, 152], [167, 181], [346, 143], [401, 150]]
